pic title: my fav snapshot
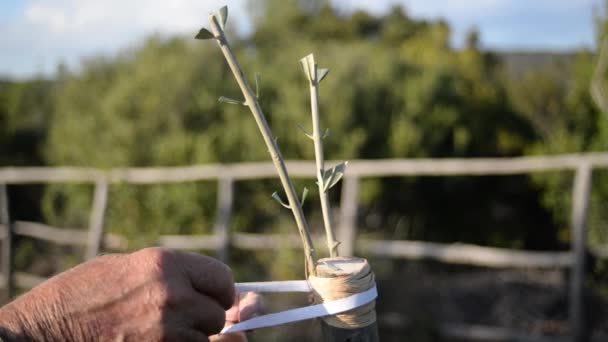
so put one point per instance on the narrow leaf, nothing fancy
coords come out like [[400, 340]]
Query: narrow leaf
[[223, 16], [304, 194], [336, 175], [321, 73], [305, 133], [257, 85], [327, 175], [231, 101], [326, 134], [277, 198], [204, 34]]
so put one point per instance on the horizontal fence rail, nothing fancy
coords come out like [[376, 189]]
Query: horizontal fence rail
[[64, 236], [466, 254], [450, 253], [305, 169], [94, 239]]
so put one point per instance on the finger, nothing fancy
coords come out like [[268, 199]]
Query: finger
[[235, 337], [246, 306], [233, 314], [209, 276], [203, 314], [250, 305]]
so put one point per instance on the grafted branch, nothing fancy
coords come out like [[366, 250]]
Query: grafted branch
[[217, 22], [325, 178]]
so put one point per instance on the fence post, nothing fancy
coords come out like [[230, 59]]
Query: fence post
[[7, 244], [347, 230], [224, 211], [580, 205], [96, 218]]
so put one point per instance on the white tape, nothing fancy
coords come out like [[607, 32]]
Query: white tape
[[274, 286], [294, 315]]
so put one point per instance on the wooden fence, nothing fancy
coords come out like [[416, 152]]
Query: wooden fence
[[94, 239]]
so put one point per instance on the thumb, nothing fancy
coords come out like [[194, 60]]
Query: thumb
[[234, 337]]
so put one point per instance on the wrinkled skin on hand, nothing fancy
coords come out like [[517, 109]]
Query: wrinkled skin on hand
[[154, 294]]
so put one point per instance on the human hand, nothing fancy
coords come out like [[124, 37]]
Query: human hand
[[154, 294], [246, 305]]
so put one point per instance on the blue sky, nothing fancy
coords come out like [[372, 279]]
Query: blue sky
[[35, 35]]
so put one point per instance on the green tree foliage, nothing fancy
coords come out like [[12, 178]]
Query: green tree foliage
[[143, 108], [556, 101], [396, 89], [25, 109]]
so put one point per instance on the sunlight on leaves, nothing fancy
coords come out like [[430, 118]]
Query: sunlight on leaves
[[223, 16]]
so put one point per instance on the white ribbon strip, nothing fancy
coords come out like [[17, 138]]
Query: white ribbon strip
[[294, 315], [274, 286]]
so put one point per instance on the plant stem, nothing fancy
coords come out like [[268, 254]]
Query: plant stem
[[332, 244], [252, 102]]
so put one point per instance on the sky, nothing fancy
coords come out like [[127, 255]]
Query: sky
[[36, 35]]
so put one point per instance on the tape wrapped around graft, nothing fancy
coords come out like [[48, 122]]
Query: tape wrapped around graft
[[344, 290], [342, 277], [304, 313]]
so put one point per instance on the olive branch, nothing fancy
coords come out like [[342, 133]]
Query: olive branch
[[326, 178]]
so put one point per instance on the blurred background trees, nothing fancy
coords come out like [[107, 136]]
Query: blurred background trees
[[397, 89]]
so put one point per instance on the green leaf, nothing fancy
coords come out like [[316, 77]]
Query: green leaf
[[321, 73], [231, 101], [204, 34], [337, 173], [327, 175], [305, 133], [326, 134], [277, 198], [257, 85], [304, 194], [223, 16]]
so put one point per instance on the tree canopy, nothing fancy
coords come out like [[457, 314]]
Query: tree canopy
[[397, 89]]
